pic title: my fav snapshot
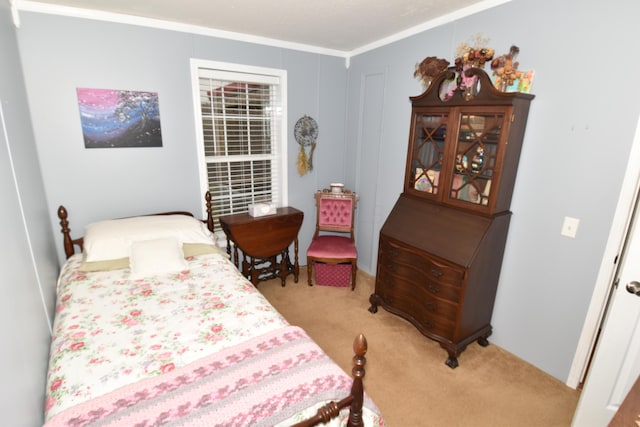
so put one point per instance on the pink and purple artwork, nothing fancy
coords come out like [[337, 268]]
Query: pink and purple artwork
[[119, 118]]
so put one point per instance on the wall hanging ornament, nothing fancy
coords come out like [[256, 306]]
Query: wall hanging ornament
[[306, 133]]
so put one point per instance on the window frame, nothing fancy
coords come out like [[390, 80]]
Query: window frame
[[244, 73]]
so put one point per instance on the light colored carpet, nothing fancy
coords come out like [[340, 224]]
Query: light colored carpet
[[405, 372]]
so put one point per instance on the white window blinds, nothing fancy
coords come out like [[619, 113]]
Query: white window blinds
[[241, 138]]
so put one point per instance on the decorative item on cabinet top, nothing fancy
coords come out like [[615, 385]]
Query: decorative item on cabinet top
[[429, 68], [475, 54], [507, 77]]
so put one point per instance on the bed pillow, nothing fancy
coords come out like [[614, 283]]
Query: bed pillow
[[195, 249], [106, 240], [189, 250], [106, 265], [157, 256]]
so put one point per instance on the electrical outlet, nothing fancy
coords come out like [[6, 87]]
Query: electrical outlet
[[570, 226]]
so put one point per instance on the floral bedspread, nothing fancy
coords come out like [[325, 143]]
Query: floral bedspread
[[262, 382], [110, 331]]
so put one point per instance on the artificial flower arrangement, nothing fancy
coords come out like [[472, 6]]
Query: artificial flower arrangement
[[475, 54]]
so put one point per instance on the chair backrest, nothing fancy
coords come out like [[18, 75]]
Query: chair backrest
[[335, 211]]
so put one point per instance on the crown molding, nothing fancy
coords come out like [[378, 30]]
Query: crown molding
[[47, 8]]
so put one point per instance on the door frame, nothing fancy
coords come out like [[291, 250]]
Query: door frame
[[615, 243]]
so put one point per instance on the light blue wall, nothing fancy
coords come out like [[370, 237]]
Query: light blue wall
[[579, 135], [102, 183], [28, 263], [578, 138]]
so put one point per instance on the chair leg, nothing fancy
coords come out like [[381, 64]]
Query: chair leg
[[309, 271], [354, 269]]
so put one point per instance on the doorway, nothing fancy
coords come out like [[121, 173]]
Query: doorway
[[608, 267]]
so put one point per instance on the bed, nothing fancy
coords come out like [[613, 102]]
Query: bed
[[155, 325]]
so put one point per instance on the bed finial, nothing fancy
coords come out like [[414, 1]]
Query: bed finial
[[62, 213], [360, 345], [355, 400]]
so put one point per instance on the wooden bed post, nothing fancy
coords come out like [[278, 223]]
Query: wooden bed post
[[207, 198], [357, 389], [64, 224], [355, 400]]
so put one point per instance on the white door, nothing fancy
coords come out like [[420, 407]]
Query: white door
[[616, 363]]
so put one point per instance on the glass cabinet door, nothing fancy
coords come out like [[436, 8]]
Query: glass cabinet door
[[428, 151], [476, 157]]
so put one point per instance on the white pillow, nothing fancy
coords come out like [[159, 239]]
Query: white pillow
[[158, 256], [112, 239]]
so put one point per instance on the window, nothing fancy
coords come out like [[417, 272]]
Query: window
[[240, 119]]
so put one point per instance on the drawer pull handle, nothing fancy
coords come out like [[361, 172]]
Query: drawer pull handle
[[432, 306], [436, 272], [427, 324], [434, 289]]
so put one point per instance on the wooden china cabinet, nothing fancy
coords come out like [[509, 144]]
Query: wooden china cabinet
[[441, 247]]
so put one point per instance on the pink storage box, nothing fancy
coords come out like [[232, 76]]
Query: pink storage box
[[332, 275]]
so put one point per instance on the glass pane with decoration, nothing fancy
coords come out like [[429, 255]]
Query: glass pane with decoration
[[428, 147], [476, 157]]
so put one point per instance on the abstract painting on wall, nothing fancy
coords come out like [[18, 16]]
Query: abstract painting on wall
[[119, 118]]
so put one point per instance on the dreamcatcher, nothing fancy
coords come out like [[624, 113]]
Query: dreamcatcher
[[306, 133]]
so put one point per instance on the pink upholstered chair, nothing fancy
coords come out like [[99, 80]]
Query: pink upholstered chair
[[333, 242]]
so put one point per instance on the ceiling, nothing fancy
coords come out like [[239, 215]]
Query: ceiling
[[341, 26]]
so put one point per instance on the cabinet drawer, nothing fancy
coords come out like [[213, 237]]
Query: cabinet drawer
[[418, 284], [422, 281], [415, 295], [410, 263], [433, 315]]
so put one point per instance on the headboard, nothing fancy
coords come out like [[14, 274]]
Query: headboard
[[70, 244]]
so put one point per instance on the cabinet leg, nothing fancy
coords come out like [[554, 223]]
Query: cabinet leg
[[374, 300], [453, 351], [452, 362], [483, 341]]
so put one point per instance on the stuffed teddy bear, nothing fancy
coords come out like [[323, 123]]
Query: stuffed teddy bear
[[505, 69]]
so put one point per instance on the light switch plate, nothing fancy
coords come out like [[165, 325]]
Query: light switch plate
[[570, 226]]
